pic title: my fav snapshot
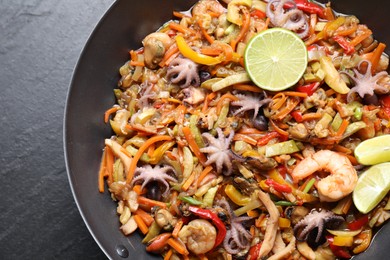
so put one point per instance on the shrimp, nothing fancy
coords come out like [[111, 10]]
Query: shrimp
[[199, 236], [203, 6], [341, 181]]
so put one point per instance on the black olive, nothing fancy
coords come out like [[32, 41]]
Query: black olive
[[371, 100], [260, 122], [204, 75], [153, 191]]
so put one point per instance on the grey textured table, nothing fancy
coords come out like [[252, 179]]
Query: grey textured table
[[40, 42]]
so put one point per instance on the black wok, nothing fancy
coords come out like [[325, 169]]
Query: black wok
[[122, 28]]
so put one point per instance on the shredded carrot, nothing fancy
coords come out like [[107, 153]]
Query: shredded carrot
[[141, 224], [168, 255], [252, 213], [311, 116], [102, 172], [312, 24], [204, 32], [342, 149], [188, 182], [278, 129], [179, 247], [330, 92], [245, 138], [342, 128], [243, 31], [176, 230], [211, 51], [151, 149], [180, 28], [138, 190], [168, 54], [377, 53], [352, 159], [141, 150], [151, 203], [180, 110], [347, 31], [109, 112], [278, 100], [249, 131], [207, 101], [358, 39], [246, 87], [178, 14], [137, 63], [222, 98], [133, 55], [204, 173], [291, 104], [146, 217], [193, 145], [124, 150], [295, 94]]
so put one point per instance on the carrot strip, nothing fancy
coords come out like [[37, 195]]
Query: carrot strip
[[342, 149], [178, 14], [342, 127], [245, 138], [204, 173], [249, 131], [193, 145], [151, 203], [176, 230], [133, 55], [278, 129], [180, 28], [352, 159], [295, 94], [179, 247], [137, 63], [141, 224], [102, 172], [123, 150], [188, 182], [151, 149], [243, 31], [246, 87], [141, 150], [138, 190], [109, 112], [347, 31], [207, 101], [311, 116], [211, 51], [278, 100], [169, 53], [205, 34], [377, 53], [168, 255], [146, 217], [222, 98], [330, 92], [358, 39], [287, 109]]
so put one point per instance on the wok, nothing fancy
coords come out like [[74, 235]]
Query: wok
[[122, 28]]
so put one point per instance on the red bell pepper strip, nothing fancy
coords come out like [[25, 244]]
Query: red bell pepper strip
[[307, 7], [277, 186], [259, 14], [254, 251], [297, 115], [347, 47], [358, 223], [338, 251], [208, 214], [309, 89], [267, 137], [385, 101]]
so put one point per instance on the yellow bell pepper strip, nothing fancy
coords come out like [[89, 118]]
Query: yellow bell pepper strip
[[342, 241], [236, 196], [160, 151], [338, 251], [284, 222], [189, 53], [330, 27]]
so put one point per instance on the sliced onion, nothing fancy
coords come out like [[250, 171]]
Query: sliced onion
[[345, 233]]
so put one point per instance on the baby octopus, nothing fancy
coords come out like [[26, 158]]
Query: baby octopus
[[249, 102], [290, 18], [159, 173], [184, 72], [219, 151], [316, 219], [366, 84]]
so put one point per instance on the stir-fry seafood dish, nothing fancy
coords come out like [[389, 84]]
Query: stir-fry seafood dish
[[208, 163]]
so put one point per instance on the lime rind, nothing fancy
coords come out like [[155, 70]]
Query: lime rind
[[372, 187], [270, 53]]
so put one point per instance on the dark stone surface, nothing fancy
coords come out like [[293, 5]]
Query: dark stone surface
[[40, 42]]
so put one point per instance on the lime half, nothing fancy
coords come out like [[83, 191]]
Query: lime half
[[275, 59], [373, 151], [372, 187]]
